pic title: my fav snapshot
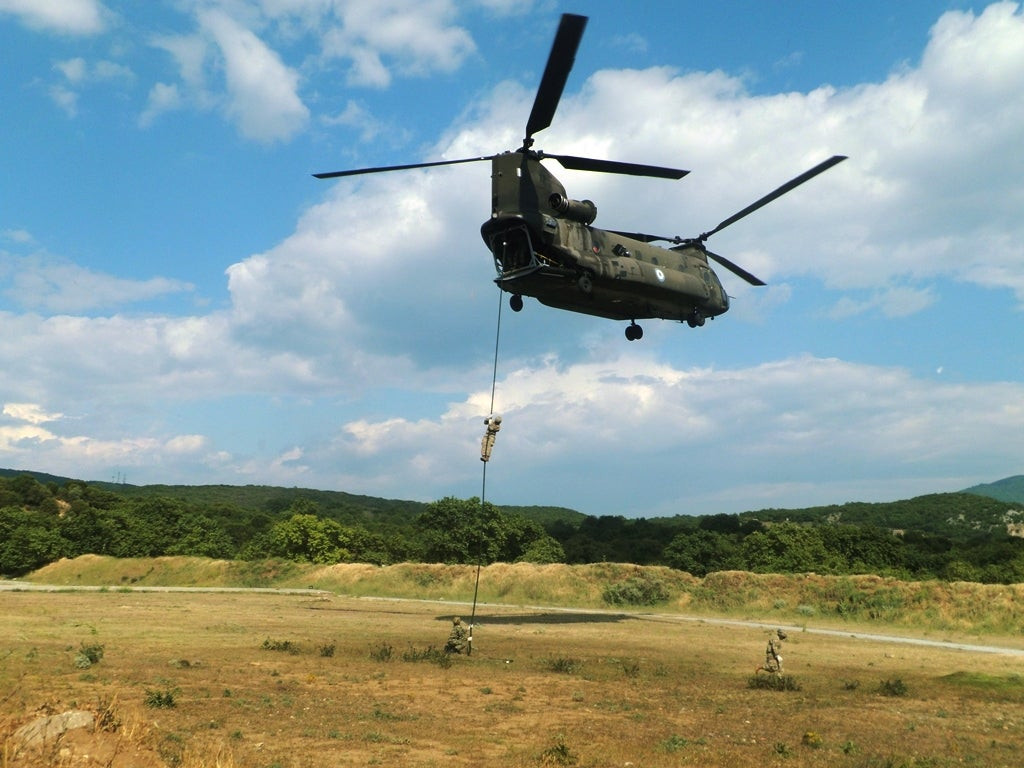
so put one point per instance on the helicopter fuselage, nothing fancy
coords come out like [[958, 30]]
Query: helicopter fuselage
[[545, 247]]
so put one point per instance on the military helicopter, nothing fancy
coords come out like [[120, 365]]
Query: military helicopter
[[543, 243]]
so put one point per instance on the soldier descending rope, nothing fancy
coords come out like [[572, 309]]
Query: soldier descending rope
[[493, 423]]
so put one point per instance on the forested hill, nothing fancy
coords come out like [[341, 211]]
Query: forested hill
[[958, 536], [956, 515], [1008, 489]]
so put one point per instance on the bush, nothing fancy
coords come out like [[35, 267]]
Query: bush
[[774, 683], [429, 654], [642, 589], [327, 649], [88, 655], [286, 646], [383, 652], [892, 687], [160, 699], [563, 664]]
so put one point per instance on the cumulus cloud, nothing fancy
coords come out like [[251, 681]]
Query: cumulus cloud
[[415, 38], [262, 91], [54, 285], [843, 423], [71, 17]]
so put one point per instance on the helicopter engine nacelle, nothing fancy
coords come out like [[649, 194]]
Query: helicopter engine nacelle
[[583, 211]]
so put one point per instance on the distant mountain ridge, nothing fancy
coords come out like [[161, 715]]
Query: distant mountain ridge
[[910, 513], [1009, 489]]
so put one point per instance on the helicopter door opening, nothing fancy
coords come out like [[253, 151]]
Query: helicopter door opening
[[513, 252]]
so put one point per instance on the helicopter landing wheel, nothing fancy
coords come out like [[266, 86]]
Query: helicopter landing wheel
[[516, 302], [585, 284], [695, 320], [634, 332]]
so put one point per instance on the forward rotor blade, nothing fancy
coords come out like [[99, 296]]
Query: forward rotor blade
[[556, 72], [787, 187], [613, 166], [735, 268], [386, 168]]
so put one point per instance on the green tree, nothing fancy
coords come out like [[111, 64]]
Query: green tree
[[543, 551], [455, 530], [786, 548], [28, 540], [308, 537], [703, 551]]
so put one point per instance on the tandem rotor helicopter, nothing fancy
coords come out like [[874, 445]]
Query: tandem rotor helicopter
[[544, 245]]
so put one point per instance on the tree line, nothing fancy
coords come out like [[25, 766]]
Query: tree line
[[961, 539]]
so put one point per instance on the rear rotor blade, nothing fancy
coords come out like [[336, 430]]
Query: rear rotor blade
[[556, 72], [787, 187], [386, 168], [643, 237], [613, 166], [735, 268]]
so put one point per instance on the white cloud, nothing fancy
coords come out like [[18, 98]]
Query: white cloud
[[31, 413], [416, 38], [262, 91], [162, 98], [668, 430], [72, 17], [42, 283]]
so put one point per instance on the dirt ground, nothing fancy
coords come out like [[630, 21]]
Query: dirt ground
[[276, 681]]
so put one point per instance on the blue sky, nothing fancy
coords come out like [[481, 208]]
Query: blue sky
[[181, 302]]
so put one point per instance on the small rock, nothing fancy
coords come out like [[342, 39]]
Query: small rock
[[53, 727]]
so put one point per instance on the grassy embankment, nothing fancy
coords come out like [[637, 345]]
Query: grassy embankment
[[960, 608]]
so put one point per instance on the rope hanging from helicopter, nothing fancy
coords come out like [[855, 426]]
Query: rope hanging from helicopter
[[493, 422]]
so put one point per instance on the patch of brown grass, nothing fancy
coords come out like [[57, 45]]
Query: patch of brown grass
[[642, 689]]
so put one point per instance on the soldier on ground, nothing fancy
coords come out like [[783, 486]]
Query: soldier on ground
[[458, 638], [772, 657]]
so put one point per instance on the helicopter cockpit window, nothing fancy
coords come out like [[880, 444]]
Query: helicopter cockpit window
[[512, 250]]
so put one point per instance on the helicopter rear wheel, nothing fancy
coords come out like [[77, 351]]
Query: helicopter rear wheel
[[516, 302], [585, 284], [634, 332]]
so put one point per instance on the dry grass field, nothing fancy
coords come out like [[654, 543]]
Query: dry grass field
[[260, 679]]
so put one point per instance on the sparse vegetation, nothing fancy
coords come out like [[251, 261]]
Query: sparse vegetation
[[558, 754], [284, 646], [161, 698], [569, 672], [773, 682], [429, 654], [382, 652], [892, 687], [563, 664], [326, 650], [88, 654]]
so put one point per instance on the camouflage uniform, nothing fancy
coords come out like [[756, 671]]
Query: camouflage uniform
[[458, 638], [493, 423], [772, 658]]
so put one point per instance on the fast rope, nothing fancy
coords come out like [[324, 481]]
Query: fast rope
[[483, 484]]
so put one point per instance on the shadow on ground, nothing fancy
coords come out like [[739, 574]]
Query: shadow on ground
[[552, 617]]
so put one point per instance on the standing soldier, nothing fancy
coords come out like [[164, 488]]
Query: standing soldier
[[772, 657], [493, 423]]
